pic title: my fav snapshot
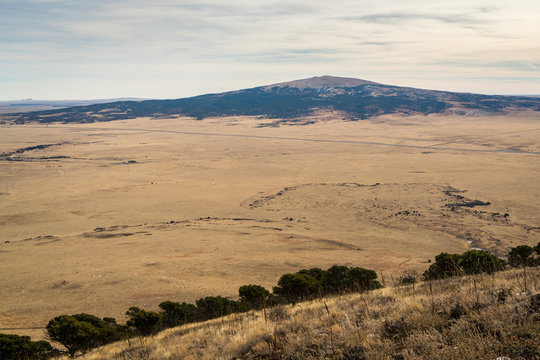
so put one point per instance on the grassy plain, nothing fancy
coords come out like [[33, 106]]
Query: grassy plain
[[140, 211]]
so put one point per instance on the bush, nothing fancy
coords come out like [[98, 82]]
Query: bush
[[521, 256], [315, 273], [254, 296], [293, 287], [408, 278], [359, 279], [175, 314], [215, 306], [445, 265], [82, 332], [334, 279], [479, 261], [14, 347], [341, 279], [146, 322]]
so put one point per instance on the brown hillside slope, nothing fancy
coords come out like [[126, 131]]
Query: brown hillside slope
[[478, 317]]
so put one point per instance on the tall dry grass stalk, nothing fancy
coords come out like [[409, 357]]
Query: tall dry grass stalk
[[475, 317]]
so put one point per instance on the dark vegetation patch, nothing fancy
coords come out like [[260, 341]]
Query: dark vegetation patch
[[14, 155], [110, 235], [80, 333], [469, 204]]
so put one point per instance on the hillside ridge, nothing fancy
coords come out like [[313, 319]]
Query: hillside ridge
[[471, 317]]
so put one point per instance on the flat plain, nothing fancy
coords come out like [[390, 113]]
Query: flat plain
[[105, 216]]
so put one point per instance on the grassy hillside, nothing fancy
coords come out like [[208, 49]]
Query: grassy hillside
[[474, 317]]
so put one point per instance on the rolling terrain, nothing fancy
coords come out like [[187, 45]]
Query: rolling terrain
[[97, 217]]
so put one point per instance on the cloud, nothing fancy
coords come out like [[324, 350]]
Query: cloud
[[386, 18], [173, 40]]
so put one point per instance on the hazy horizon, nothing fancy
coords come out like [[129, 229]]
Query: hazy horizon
[[169, 49], [142, 99]]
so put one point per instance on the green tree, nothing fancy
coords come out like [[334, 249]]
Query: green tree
[[146, 322], [316, 273], [360, 279], [81, 332], [175, 314], [212, 307], [342, 279], [293, 287], [479, 261], [334, 280], [254, 296], [14, 347], [521, 256], [445, 265]]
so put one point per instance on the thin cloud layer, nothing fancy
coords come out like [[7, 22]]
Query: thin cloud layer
[[168, 49]]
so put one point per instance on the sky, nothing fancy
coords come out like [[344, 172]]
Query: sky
[[79, 49]]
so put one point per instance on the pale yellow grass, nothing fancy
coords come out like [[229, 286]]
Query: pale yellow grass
[[93, 233], [361, 325]]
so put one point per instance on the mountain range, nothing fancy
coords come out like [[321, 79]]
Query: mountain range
[[353, 99]]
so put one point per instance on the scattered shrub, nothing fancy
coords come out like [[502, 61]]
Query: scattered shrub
[[146, 322], [15, 347], [445, 265], [81, 332], [294, 287], [479, 261], [175, 314], [521, 255], [254, 296], [215, 306], [408, 278]]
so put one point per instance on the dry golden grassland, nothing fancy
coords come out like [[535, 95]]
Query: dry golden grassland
[[140, 211], [475, 317]]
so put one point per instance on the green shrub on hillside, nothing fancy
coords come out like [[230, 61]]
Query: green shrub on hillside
[[480, 261], [254, 296], [82, 332], [215, 306], [522, 255], [146, 322], [307, 284], [315, 273], [342, 279], [470, 262], [175, 314], [299, 286], [445, 265], [15, 347]]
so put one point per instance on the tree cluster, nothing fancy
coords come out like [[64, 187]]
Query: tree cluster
[[315, 282], [15, 347], [80, 333], [480, 261]]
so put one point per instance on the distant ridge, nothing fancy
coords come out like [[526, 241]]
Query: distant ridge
[[352, 99], [25, 105]]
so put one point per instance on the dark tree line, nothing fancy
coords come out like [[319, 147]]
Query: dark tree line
[[80, 333], [481, 261]]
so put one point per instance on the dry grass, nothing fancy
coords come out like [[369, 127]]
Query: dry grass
[[478, 317], [93, 233]]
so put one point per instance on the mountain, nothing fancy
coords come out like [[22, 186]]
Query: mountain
[[353, 98]]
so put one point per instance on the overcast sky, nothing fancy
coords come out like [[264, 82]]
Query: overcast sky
[[78, 49]]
